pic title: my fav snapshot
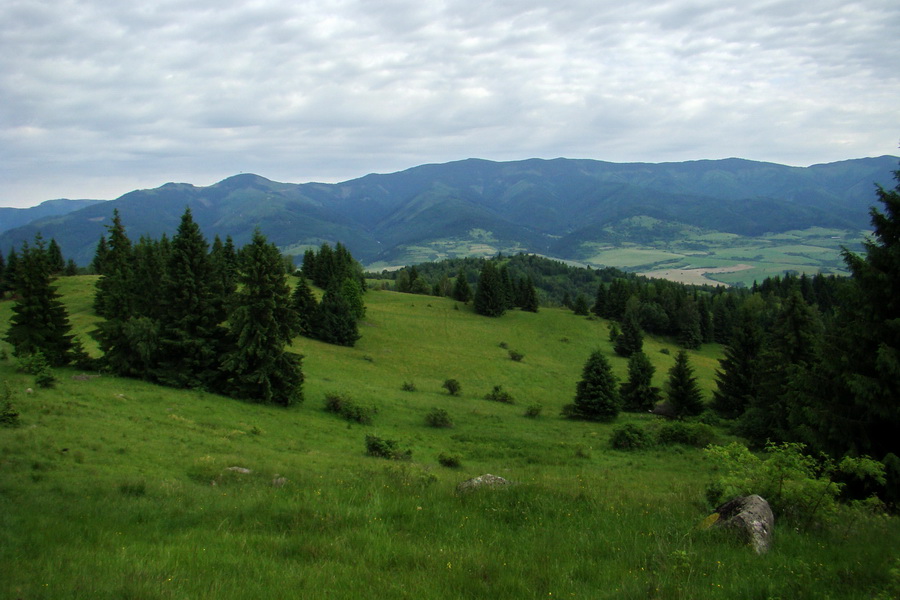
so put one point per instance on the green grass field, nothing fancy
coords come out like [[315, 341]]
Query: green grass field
[[114, 488]]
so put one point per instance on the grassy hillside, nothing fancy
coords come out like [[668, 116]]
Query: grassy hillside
[[113, 488]]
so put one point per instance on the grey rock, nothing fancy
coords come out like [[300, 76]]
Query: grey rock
[[750, 517], [239, 470], [486, 480]]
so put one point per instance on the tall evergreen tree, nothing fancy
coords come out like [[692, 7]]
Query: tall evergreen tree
[[97, 264], [852, 399], [351, 292], [791, 348], [9, 273], [630, 340], [597, 393], [599, 307], [682, 390], [191, 332], [335, 321], [115, 296], [55, 257], [580, 306], [305, 306], [490, 296], [262, 323], [39, 322], [529, 298], [738, 377], [638, 393], [461, 290], [690, 334], [129, 345]]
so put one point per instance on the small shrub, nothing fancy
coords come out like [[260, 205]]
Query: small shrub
[[438, 417], [9, 417], [453, 387], [698, 435], [36, 364], [350, 410], [382, 448], [451, 461], [533, 411], [498, 394], [408, 386], [582, 452], [516, 356], [504, 345], [664, 351], [799, 487], [630, 437]]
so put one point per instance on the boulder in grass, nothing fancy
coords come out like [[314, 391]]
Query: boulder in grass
[[242, 470], [486, 480], [751, 517]]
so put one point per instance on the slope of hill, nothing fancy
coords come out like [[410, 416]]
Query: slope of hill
[[10, 218], [559, 207], [116, 488]]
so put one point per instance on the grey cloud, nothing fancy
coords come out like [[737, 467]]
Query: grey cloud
[[103, 91]]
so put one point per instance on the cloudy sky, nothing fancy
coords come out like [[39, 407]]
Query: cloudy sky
[[99, 97]]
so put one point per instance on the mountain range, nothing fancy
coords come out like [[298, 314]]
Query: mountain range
[[553, 207]]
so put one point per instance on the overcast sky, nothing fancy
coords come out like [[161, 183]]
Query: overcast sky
[[100, 97]]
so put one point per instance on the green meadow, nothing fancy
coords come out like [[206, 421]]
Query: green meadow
[[116, 488]]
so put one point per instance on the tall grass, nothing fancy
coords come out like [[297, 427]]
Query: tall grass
[[113, 488]]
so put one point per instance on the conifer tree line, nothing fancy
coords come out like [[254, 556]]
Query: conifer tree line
[[181, 313]]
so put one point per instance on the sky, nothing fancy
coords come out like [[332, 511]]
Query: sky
[[101, 97]]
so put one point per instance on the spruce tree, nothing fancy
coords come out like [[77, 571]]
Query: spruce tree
[[9, 273], [129, 346], [866, 354], [335, 321], [97, 264], [351, 292], [529, 299], [580, 306], [599, 307], [638, 393], [597, 393], [738, 376], [305, 306], [39, 323], [682, 390], [461, 290], [55, 257], [490, 295], [191, 332], [688, 323], [791, 348], [630, 340], [114, 298], [262, 323]]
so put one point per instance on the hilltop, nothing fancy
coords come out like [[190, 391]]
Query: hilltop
[[708, 214]]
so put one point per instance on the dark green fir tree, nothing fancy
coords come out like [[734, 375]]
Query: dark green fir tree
[[191, 321], [39, 323], [258, 367], [462, 292], [597, 393], [638, 393], [490, 295], [305, 306], [738, 376], [682, 390]]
